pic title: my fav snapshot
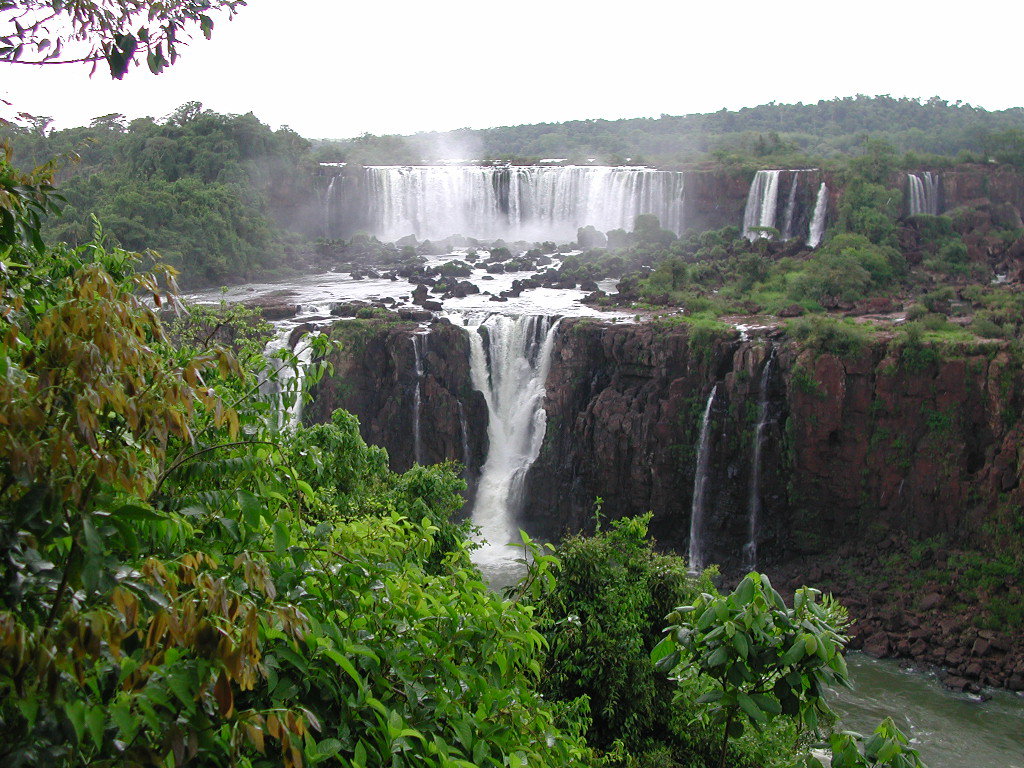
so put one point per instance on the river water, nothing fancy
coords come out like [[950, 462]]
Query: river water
[[950, 730]]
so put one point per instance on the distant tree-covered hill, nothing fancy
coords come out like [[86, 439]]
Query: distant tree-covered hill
[[777, 132]]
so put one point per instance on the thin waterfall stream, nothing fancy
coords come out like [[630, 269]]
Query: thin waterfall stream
[[419, 340], [754, 497], [700, 478]]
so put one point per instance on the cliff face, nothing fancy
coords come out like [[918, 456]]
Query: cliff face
[[893, 440], [375, 378]]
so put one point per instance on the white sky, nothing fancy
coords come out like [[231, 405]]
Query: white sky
[[336, 69]]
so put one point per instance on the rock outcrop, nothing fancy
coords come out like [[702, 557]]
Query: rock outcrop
[[375, 378]]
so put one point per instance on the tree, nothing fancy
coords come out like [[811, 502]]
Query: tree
[[119, 32], [759, 658]]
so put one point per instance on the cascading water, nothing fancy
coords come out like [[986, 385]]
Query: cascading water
[[762, 202], [513, 202], [509, 362], [285, 384], [700, 478], [817, 229], [923, 193], [419, 340], [787, 218], [328, 197], [754, 506], [464, 431]]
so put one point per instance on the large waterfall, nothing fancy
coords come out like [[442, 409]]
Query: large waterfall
[[510, 202], [509, 362], [923, 193]]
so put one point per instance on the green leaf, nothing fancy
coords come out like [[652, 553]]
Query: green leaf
[[95, 720], [281, 540], [794, 654], [328, 747], [742, 644], [745, 591], [662, 649], [719, 657], [889, 751]]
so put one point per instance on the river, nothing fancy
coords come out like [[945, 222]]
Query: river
[[950, 730]]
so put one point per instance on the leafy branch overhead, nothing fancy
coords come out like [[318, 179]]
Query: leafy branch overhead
[[121, 32]]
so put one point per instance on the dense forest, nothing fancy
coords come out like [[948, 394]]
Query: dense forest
[[782, 134], [221, 197]]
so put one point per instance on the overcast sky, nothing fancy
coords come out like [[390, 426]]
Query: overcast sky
[[333, 69]]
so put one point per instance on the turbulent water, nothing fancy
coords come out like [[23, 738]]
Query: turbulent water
[[950, 730], [509, 362], [509, 202]]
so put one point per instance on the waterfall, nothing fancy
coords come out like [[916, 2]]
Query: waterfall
[[286, 381], [509, 362], [700, 477], [754, 497], [418, 341], [464, 431], [817, 229], [923, 193], [787, 218], [327, 207], [762, 202], [515, 202]]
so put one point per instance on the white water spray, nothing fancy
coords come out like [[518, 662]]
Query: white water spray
[[418, 341], [762, 202], [787, 219], [510, 367], [817, 229], [923, 193], [512, 202]]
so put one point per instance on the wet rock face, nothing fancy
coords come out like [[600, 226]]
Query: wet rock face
[[624, 405], [375, 378], [889, 440]]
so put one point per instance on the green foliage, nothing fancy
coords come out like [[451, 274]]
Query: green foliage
[[759, 658], [825, 334], [209, 191], [119, 32], [848, 268], [185, 581], [766, 136], [887, 746], [600, 619]]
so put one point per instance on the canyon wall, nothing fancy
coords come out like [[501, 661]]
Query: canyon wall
[[896, 439], [893, 439]]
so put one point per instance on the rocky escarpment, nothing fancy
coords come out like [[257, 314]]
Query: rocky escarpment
[[895, 438], [863, 454], [375, 377]]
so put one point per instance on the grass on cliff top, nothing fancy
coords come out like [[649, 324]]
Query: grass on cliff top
[[706, 320]]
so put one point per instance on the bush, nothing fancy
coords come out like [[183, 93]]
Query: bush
[[603, 616]]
